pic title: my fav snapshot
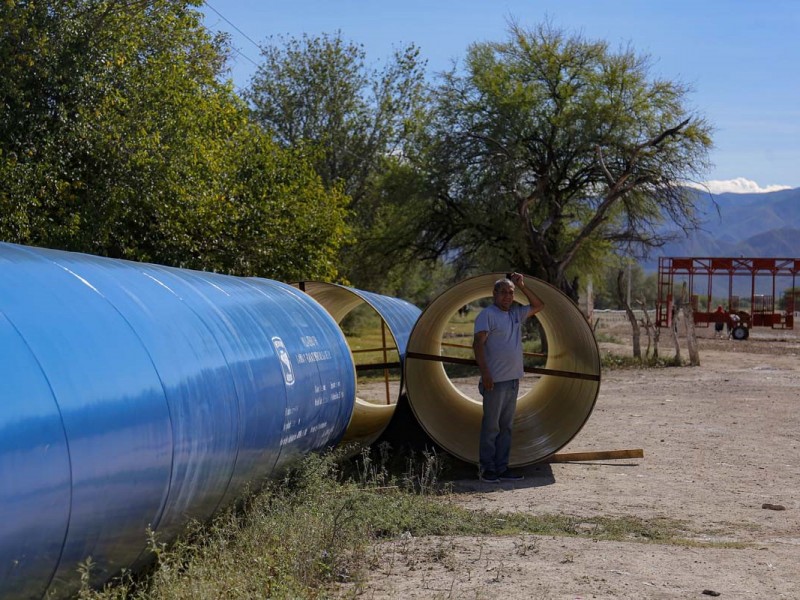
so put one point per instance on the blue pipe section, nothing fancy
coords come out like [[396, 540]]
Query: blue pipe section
[[339, 300], [138, 396], [400, 316]]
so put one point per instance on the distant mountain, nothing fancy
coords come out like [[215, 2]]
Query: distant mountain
[[742, 216], [750, 225], [780, 243]]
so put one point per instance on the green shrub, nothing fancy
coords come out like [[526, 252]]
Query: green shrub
[[303, 535]]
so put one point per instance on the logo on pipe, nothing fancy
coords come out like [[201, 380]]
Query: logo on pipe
[[286, 363]]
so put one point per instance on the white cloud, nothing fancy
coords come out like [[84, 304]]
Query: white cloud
[[740, 185]]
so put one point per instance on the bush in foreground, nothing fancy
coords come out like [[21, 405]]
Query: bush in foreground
[[304, 535]]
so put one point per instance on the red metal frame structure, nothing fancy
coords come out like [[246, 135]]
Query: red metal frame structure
[[763, 311]]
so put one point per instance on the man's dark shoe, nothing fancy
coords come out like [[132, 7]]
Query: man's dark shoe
[[489, 477], [509, 475]]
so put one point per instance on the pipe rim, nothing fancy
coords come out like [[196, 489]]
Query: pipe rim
[[451, 418]]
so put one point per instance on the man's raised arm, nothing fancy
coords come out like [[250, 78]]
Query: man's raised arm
[[535, 303]]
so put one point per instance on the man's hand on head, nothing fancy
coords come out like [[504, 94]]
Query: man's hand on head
[[518, 279]]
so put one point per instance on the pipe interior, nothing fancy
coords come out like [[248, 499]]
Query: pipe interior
[[549, 414], [370, 415]]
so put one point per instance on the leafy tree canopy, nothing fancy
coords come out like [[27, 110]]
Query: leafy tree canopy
[[642, 286], [118, 138], [549, 151], [320, 93]]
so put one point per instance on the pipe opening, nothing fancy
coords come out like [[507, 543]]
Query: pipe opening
[[375, 354], [376, 329], [557, 393]]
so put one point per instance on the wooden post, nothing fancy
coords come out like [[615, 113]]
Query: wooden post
[[385, 360]]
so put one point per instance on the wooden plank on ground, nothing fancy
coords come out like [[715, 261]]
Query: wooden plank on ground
[[596, 455]]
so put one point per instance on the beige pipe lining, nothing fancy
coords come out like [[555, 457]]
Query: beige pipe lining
[[548, 416], [368, 419]]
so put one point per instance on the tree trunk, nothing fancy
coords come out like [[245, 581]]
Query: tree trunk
[[636, 332], [649, 327], [656, 336], [637, 347], [555, 276], [691, 337], [677, 315], [570, 288]]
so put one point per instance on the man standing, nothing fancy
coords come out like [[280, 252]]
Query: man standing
[[498, 350]]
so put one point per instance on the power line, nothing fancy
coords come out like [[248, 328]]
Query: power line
[[243, 55], [247, 37]]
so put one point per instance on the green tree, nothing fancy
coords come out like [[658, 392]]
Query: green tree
[[95, 139], [320, 93], [398, 199], [606, 287], [118, 139], [283, 223], [548, 152]]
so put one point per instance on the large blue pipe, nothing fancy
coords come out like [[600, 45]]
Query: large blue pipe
[[136, 396]]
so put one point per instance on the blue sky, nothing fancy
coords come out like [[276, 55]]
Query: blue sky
[[741, 58]]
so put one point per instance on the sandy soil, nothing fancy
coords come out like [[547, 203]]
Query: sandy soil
[[720, 441]]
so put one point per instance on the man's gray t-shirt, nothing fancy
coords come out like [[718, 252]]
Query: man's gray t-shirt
[[503, 348]]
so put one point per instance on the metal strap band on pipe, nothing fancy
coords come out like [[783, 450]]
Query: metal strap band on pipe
[[538, 370], [378, 366], [469, 347]]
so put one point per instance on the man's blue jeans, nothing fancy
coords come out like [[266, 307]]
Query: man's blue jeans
[[499, 405]]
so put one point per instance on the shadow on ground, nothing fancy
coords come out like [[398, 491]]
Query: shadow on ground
[[464, 478]]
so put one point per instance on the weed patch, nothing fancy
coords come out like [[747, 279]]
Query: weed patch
[[616, 361], [302, 535]]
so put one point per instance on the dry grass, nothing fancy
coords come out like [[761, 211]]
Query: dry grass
[[303, 536]]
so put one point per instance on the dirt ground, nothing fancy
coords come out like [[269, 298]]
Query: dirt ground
[[720, 441]]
